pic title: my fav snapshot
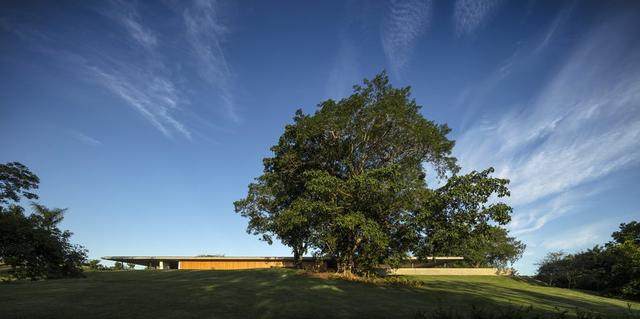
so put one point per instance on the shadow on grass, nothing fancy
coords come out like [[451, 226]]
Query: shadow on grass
[[529, 280], [269, 293], [496, 291]]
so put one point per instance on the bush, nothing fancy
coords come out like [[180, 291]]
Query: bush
[[398, 281]]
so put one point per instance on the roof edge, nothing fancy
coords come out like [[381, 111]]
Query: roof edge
[[119, 258]]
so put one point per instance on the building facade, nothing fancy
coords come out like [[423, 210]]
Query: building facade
[[218, 262]]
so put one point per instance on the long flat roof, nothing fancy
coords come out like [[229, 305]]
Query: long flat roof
[[175, 258], [119, 258]]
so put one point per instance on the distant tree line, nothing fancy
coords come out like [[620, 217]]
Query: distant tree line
[[32, 244], [349, 183], [94, 264], [611, 269]]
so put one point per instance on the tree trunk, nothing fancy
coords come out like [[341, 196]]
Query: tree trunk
[[346, 264], [297, 257], [345, 267]]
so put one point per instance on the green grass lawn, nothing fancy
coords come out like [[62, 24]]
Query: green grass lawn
[[276, 293]]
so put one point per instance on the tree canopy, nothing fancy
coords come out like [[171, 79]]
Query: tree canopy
[[32, 244], [612, 269], [349, 183], [629, 232], [16, 181]]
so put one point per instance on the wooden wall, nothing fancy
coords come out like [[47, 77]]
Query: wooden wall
[[242, 264], [230, 264]]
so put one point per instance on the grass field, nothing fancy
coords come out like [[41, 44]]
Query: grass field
[[274, 294]]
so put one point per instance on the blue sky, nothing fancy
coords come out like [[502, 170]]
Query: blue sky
[[148, 119]]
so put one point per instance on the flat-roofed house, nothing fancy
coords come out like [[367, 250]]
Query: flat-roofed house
[[250, 262], [412, 266], [217, 262]]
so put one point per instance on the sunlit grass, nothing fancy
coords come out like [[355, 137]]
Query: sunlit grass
[[274, 294]]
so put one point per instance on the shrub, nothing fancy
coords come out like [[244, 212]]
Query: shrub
[[397, 281]]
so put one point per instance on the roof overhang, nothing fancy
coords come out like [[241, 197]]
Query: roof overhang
[[148, 259]]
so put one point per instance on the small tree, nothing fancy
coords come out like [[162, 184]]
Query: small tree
[[551, 268], [33, 245], [118, 266]]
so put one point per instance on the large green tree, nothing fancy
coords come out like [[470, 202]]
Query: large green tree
[[348, 182]]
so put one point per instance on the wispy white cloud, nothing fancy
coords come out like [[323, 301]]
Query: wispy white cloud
[[154, 97], [151, 88], [472, 98], [137, 68], [469, 15], [533, 218], [127, 14], [525, 54], [530, 218], [84, 138], [206, 35], [583, 125], [405, 22], [344, 72], [584, 236], [146, 86], [553, 28]]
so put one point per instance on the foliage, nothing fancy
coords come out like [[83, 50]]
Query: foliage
[[552, 268], [612, 269], [118, 266], [628, 233], [33, 245], [396, 281], [94, 264], [460, 219], [16, 181], [348, 183], [490, 247]]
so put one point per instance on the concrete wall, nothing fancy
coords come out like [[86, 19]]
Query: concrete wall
[[451, 271]]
